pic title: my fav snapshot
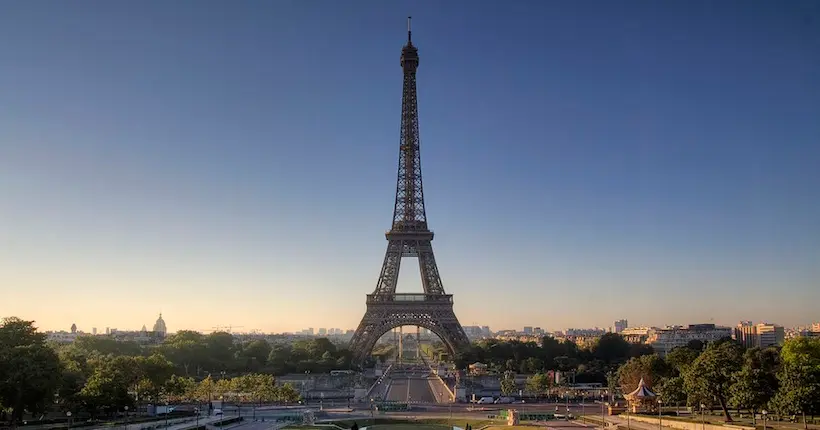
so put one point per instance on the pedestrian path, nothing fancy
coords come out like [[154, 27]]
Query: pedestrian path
[[621, 420], [174, 424]]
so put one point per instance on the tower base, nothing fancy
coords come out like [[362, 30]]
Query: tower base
[[431, 311]]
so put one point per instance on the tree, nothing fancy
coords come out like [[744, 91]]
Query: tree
[[533, 365], [508, 384], [671, 390], [799, 378], [180, 388], [105, 346], [756, 382], [611, 348], [205, 390], [710, 376], [650, 368], [681, 357], [109, 384], [259, 350], [538, 384], [30, 371], [287, 394], [221, 350], [186, 349]]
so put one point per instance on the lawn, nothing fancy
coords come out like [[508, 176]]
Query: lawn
[[404, 424], [409, 427]]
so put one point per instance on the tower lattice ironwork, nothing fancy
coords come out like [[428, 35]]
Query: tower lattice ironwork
[[409, 236]]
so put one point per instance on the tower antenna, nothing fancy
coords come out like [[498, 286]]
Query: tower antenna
[[409, 32]]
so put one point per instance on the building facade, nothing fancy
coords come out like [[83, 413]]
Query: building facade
[[761, 335], [664, 340]]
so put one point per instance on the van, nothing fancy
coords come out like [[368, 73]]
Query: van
[[485, 400]]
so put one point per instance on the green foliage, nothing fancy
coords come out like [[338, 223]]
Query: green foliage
[[756, 382], [508, 385], [610, 348], [650, 368], [539, 384], [105, 346], [680, 358], [252, 387], [588, 365], [672, 391], [799, 376], [29, 370], [711, 375], [314, 355]]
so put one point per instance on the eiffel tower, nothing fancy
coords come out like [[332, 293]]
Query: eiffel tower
[[408, 237]]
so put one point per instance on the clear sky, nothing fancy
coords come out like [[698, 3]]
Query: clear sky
[[234, 162]]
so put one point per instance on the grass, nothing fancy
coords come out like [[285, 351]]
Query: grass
[[403, 424], [409, 427], [518, 427]]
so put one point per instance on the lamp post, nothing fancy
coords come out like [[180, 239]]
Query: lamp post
[[660, 420], [126, 417], [68, 414], [583, 410], [628, 421], [603, 419], [566, 399], [452, 400], [703, 417], [764, 412]]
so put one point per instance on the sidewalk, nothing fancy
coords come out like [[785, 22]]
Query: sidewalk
[[621, 420], [174, 424]]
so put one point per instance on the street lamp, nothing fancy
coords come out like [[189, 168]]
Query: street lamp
[[126, 416], [583, 411], [603, 419], [566, 400], [628, 414], [660, 420], [764, 412], [68, 414], [703, 417]]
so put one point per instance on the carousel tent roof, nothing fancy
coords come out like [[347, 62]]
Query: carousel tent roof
[[642, 392]]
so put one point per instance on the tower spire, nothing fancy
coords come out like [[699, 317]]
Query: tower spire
[[409, 32], [409, 236]]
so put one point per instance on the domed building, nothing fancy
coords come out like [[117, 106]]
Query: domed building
[[159, 326]]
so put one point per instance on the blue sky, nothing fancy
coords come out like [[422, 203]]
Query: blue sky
[[234, 162]]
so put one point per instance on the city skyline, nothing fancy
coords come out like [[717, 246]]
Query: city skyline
[[317, 329], [235, 164]]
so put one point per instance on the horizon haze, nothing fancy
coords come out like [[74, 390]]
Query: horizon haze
[[234, 163]]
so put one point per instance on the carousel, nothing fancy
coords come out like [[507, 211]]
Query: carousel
[[642, 399]]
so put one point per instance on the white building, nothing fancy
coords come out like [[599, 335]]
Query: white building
[[664, 340], [62, 336], [769, 335]]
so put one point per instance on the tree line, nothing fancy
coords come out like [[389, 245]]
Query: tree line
[[99, 375], [723, 375], [587, 365], [719, 375]]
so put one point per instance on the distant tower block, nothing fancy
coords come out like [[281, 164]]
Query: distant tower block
[[409, 236]]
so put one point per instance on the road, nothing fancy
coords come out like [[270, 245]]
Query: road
[[411, 389]]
